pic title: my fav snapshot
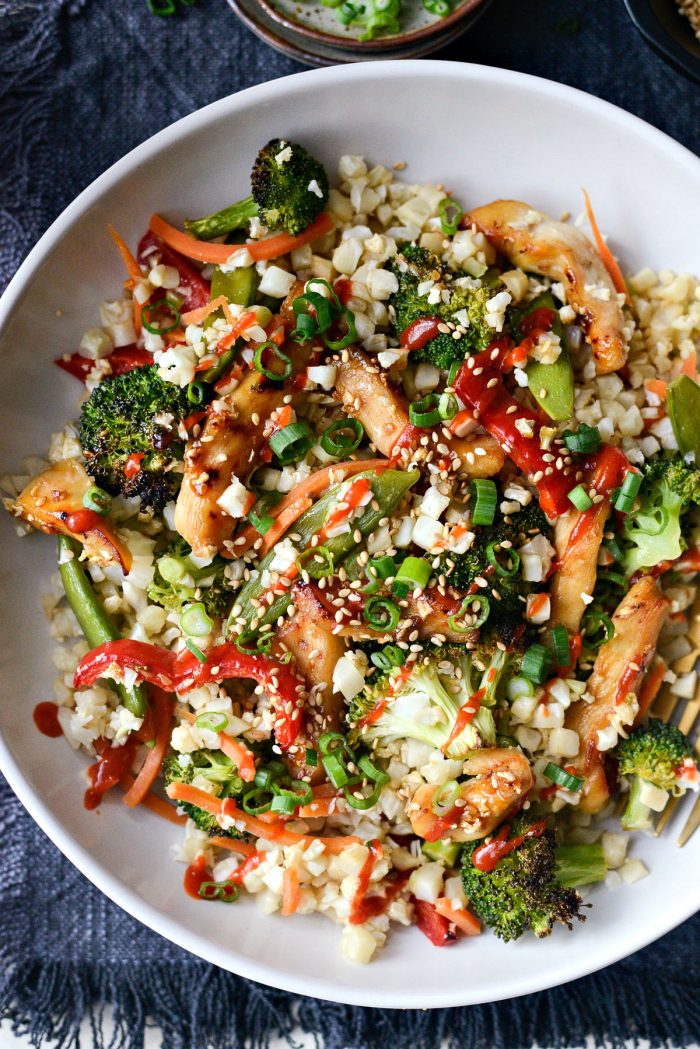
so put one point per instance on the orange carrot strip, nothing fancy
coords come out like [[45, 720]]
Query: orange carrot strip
[[282, 522], [268, 831], [281, 243], [243, 322], [197, 316], [244, 848], [151, 767], [605, 253], [649, 690], [270, 248], [459, 916], [690, 365], [239, 755], [155, 804], [291, 893], [319, 808], [657, 386], [132, 266]]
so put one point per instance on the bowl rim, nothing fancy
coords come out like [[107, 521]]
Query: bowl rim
[[384, 43], [673, 52], [527, 981]]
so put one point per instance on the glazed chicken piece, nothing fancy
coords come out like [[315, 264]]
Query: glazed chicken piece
[[618, 672], [577, 539], [501, 778], [382, 409], [563, 253]]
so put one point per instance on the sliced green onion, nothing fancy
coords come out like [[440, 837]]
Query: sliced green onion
[[189, 643], [98, 500], [486, 499], [480, 614], [612, 546], [617, 578], [154, 308], [196, 392], [580, 498], [226, 891], [348, 12], [278, 355], [349, 337], [292, 443], [371, 771], [447, 406], [335, 770], [262, 642], [305, 329], [385, 567], [453, 372], [366, 801], [441, 8], [561, 646], [332, 294], [311, 758], [586, 439], [562, 778], [413, 574], [628, 492], [425, 412], [449, 210], [257, 801], [314, 315], [268, 775], [519, 688], [536, 663], [195, 621], [300, 792], [331, 742], [317, 561], [258, 516], [337, 441], [598, 628], [510, 555], [212, 721], [283, 804], [444, 799], [382, 614], [389, 657], [171, 569]]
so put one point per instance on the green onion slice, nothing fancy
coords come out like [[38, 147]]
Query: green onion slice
[[335, 770], [413, 574], [382, 614], [283, 804], [196, 392], [261, 642], [292, 442], [342, 437], [311, 758], [481, 613], [536, 663], [300, 792], [152, 310], [447, 406], [449, 210], [562, 778], [628, 492], [349, 337], [266, 776], [486, 499], [258, 516], [580, 498], [212, 721], [597, 627], [195, 622], [317, 561], [365, 801], [98, 500], [425, 412], [189, 643], [453, 372], [388, 657], [257, 801], [561, 646], [385, 567], [226, 891], [444, 799], [277, 355], [506, 555], [171, 569], [586, 439]]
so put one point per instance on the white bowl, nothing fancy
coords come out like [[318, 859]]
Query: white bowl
[[485, 133]]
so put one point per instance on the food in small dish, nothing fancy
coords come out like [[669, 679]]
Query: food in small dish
[[375, 543]]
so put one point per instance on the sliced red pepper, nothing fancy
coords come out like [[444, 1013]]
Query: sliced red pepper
[[179, 672], [196, 288], [132, 466], [437, 928], [121, 360]]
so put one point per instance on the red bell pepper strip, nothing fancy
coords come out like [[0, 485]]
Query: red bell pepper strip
[[192, 282], [121, 360], [179, 672], [436, 927]]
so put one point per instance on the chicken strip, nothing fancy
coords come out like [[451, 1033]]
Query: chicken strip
[[382, 409], [577, 539], [618, 672], [563, 253]]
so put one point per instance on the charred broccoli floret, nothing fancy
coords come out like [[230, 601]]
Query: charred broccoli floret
[[177, 581], [466, 306], [659, 760], [289, 190], [653, 533], [423, 703], [522, 893], [462, 569], [222, 775], [128, 432]]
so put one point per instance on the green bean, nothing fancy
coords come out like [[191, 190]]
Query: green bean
[[94, 622], [684, 412]]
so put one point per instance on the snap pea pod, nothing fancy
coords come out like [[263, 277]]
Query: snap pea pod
[[388, 489], [239, 286], [683, 399], [94, 622], [552, 385]]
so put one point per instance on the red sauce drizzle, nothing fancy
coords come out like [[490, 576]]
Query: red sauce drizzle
[[419, 332], [343, 289], [109, 768], [81, 521], [592, 756], [46, 719], [408, 438], [364, 907], [534, 325], [467, 713], [626, 681], [195, 876], [487, 857]]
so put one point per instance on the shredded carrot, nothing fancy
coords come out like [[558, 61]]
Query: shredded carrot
[[162, 706], [282, 522], [270, 248], [605, 253], [319, 808], [291, 894], [459, 916], [465, 416], [690, 365], [243, 322], [201, 314], [243, 848], [657, 386], [649, 690], [268, 831], [152, 802], [240, 755], [132, 266]]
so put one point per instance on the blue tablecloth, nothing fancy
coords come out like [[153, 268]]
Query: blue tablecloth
[[82, 82]]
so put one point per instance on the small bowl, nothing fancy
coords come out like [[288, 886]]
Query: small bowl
[[669, 32]]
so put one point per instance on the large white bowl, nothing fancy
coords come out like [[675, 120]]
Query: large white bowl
[[484, 133]]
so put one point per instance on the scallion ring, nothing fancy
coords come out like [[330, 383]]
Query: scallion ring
[[195, 650], [291, 443], [486, 499], [586, 439], [382, 614], [257, 801], [152, 309], [350, 336], [580, 498], [425, 413], [481, 612], [258, 516], [561, 646], [300, 792], [445, 797], [268, 774], [449, 210], [226, 891], [447, 406], [335, 770], [597, 628], [363, 802], [261, 643], [388, 658], [507, 555], [536, 664], [195, 622], [342, 437], [317, 561], [332, 295], [277, 355], [97, 500], [212, 721], [562, 778]]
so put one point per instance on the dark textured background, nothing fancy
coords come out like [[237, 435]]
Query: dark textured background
[[81, 83]]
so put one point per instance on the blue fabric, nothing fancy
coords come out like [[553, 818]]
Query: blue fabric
[[82, 82]]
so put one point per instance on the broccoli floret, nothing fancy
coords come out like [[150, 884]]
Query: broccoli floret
[[289, 190], [423, 266], [135, 414], [423, 702], [522, 892], [655, 755], [221, 774], [653, 533], [462, 569], [187, 583], [576, 865]]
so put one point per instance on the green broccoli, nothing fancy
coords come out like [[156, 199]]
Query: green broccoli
[[653, 532], [128, 432], [289, 190], [177, 581], [220, 772], [655, 756], [523, 891], [467, 303], [576, 865], [462, 569], [424, 705]]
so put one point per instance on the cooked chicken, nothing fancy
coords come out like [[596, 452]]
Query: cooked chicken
[[560, 251], [577, 539]]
